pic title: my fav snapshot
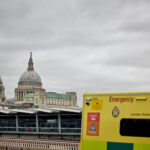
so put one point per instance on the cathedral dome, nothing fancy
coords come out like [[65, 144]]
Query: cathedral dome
[[30, 76]]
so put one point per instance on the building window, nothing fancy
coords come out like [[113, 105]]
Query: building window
[[48, 123], [64, 102], [47, 101], [42, 101], [70, 123], [27, 123], [67, 103], [54, 101], [135, 127], [7, 123]]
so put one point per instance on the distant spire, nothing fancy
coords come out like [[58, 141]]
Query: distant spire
[[30, 63], [1, 80]]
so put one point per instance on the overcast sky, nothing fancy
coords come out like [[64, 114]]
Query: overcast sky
[[77, 45]]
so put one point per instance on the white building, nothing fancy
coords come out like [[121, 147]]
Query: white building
[[30, 90]]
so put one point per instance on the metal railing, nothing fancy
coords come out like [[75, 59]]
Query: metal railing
[[39, 144], [39, 130]]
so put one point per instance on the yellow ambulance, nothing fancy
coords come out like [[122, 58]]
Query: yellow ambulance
[[116, 121]]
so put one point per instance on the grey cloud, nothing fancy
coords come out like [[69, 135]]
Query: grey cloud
[[138, 26], [136, 58], [94, 46]]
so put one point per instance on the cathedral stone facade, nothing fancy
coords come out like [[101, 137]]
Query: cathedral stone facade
[[2, 90], [30, 91]]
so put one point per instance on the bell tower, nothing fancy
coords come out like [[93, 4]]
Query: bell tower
[[2, 92]]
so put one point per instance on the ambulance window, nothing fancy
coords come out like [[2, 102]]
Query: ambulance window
[[135, 127]]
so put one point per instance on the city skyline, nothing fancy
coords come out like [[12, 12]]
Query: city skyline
[[81, 46]]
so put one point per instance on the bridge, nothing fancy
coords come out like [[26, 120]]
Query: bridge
[[40, 128], [41, 123]]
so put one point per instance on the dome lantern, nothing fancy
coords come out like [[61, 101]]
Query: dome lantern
[[30, 63]]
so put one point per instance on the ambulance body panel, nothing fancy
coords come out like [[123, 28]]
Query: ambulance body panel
[[116, 121]]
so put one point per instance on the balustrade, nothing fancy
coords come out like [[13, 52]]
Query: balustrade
[[51, 145]]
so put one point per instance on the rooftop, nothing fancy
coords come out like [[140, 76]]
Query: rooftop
[[57, 95], [5, 110]]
